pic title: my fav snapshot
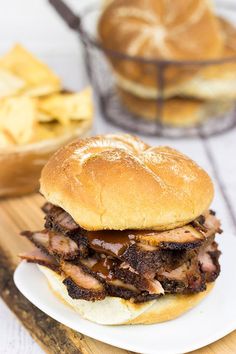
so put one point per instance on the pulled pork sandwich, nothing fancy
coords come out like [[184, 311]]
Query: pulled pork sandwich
[[129, 237]]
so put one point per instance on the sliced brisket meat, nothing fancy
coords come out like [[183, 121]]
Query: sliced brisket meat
[[146, 259], [47, 207], [77, 292], [187, 278], [54, 244], [145, 251], [207, 224], [214, 273], [193, 275], [209, 261], [80, 283], [127, 294], [180, 238], [145, 296], [81, 276], [101, 276], [172, 286], [112, 272], [39, 257], [152, 286], [134, 265], [143, 258], [175, 286], [83, 283], [59, 220]]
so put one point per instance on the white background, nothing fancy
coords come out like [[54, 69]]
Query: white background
[[35, 24]]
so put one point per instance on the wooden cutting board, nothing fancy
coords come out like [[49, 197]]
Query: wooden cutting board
[[24, 213]]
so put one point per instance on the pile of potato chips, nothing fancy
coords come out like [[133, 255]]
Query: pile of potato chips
[[33, 106]]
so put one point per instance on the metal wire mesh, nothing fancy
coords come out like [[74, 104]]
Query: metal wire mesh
[[169, 117]]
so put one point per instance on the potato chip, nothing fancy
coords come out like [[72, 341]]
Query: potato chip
[[17, 118], [44, 131], [43, 117], [5, 140], [9, 83], [54, 129], [68, 106], [39, 78]]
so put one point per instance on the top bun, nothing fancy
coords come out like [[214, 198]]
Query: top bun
[[118, 182], [151, 29]]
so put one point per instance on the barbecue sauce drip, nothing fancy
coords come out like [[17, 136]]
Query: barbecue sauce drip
[[103, 267], [112, 242]]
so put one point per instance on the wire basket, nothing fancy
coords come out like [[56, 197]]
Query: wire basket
[[165, 116]]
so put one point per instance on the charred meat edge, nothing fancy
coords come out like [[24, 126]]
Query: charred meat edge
[[58, 254]]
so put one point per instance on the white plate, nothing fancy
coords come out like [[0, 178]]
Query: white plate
[[212, 319]]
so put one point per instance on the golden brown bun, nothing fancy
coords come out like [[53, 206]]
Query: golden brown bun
[[117, 311], [211, 82], [177, 112], [216, 81], [118, 182], [174, 30]]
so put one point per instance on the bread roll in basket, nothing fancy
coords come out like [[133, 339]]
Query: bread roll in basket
[[158, 30]]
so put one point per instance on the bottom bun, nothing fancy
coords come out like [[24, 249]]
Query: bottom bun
[[117, 311], [177, 112]]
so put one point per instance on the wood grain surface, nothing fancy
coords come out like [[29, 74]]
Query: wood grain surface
[[24, 213]]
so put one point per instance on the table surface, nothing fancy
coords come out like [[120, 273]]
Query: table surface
[[61, 51]]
